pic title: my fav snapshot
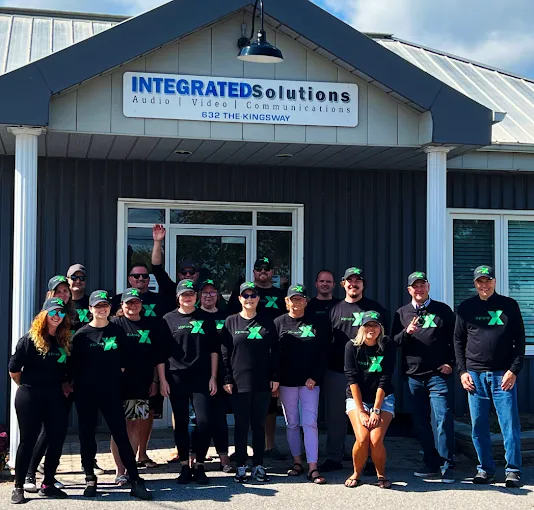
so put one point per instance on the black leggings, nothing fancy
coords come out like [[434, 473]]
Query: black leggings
[[42, 441], [37, 407], [250, 411], [180, 396], [219, 425], [88, 402]]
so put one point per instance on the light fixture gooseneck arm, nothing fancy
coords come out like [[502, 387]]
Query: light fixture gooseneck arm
[[254, 17]]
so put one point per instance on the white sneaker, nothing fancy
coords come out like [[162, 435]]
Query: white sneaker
[[259, 474], [58, 484], [30, 484]]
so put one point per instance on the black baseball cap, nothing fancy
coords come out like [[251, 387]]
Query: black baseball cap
[[263, 262], [188, 263], [55, 281], [130, 294], [297, 290], [353, 271], [486, 271], [99, 296], [76, 267], [209, 281], [416, 275], [54, 304], [371, 316], [247, 286], [185, 286]]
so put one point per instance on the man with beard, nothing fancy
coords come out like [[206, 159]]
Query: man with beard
[[345, 318], [321, 305]]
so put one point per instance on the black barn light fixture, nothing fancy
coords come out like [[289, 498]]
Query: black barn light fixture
[[259, 51]]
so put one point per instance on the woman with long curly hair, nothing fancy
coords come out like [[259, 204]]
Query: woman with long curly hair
[[39, 368]]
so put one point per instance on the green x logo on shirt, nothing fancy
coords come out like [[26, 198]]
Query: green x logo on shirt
[[358, 316], [149, 310], [376, 363], [495, 318], [197, 327], [63, 355], [306, 332], [110, 343], [254, 333], [219, 323], [82, 314], [429, 321], [271, 302], [143, 337]]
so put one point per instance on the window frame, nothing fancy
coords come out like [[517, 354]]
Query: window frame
[[500, 217]]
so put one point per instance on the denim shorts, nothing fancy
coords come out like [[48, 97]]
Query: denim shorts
[[388, 405]]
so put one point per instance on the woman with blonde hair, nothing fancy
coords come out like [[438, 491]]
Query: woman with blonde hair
[[370, 404], [39, 368]]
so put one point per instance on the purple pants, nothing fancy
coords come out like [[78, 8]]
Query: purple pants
[[309, 403]]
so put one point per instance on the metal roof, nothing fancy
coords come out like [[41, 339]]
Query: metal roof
[[498, 90]]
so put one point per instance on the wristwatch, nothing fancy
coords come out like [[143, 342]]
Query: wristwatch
[[376, 411]]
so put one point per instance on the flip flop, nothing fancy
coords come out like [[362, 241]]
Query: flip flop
[[296, 470], [384, 483], [147, 463], [317, 479], [351, 482]]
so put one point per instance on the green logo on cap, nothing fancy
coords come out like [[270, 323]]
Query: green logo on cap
[[306, 332], [266, 260], [495, 318], [82, 314], [110, 343], [355, 270], [149, 310], [298, 288], [484, 270], [418, 275], [143, 337], [373, 315], [248, 285], [376, 363], [197, 327], [103, 295], [134, 292], [271, 302], [61, 279], [60, 302], [188, 284], [63, 355], [254, 333], [209, 281], [358, 316]]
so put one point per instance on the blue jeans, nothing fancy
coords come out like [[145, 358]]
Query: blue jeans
[[432, 394], [488, 388]]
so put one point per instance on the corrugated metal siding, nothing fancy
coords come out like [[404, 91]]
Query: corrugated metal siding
[[7, 173]]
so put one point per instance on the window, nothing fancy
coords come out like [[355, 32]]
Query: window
[[504, 240]]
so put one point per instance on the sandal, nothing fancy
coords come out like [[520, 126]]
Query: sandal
[[352, 482], [173, 460], [384, 483], [318, 478], [227, 468], [122, 481], [296, 470], [147, 463]]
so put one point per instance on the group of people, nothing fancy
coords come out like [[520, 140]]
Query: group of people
[[122, 355]]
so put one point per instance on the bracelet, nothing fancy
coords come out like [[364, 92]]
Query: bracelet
[[157, 382]]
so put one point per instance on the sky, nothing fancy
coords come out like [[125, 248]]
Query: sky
[[493, 32]]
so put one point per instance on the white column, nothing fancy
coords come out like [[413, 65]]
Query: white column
[[24, 251], [436, 221]]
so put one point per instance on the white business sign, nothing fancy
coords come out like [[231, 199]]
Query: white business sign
[[216, 99]]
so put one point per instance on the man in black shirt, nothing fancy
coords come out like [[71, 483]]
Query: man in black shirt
[[77, 278], [489, 341], [321, 305], [424, 329], [345, 319]]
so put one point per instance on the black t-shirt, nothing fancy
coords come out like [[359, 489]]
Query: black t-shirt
[[370, 368], [194, 339], [154, 304], [345, 320], [98, 357], [489, 335], [219, 317], [83, 316], [431, 345], [320, 308], [303, 346], [250, 353], [271, 302], [144, 348], [38, 370]]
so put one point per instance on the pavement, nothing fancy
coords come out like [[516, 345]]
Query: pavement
[[281, 492]]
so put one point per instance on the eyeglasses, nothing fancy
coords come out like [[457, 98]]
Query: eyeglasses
[[75, 277], [185, 272], [249, 296], [136, 276], [52, 313], [210, 294]]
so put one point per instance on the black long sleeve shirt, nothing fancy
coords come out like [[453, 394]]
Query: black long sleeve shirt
[[370, 368], [38, 370], [303, 346], [155, 304], [489, 335], [431, 345], [345, 320], [250, 352], [271, 303], [83, 316]]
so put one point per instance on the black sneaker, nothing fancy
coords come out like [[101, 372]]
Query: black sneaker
[[49, 491], [259, 474], [483, 478], [185, 476], [369, 469], [199, 475], [17, 496], [139, 490], [447, 475], [90, 487], [329, 465], [30, 484], [241, 474], [423, 471], [513, 480], [98, 470]]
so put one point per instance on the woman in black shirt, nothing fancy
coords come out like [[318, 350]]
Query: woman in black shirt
[[370, 404], [250, 357], [39, 368]]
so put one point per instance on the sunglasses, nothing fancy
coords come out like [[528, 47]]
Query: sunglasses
[[75, 278], [262, 268], [185, 272], [136, 276], [249, 296], [210, 294], [52, 313]]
